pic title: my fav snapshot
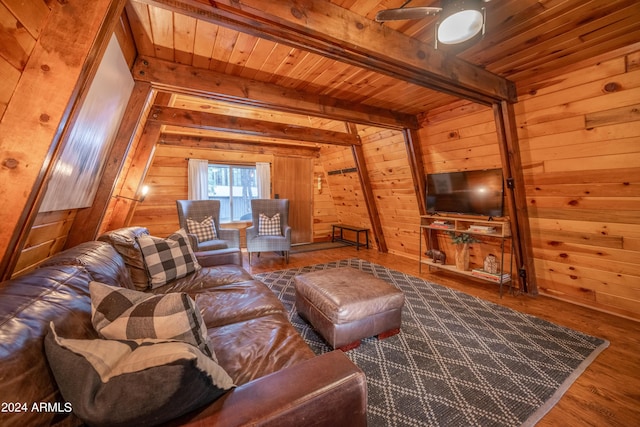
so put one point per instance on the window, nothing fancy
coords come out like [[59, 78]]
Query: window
[[234, 186]]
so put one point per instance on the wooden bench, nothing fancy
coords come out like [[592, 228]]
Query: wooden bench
[[340, 237]]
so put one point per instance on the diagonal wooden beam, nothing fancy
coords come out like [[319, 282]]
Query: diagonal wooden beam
[[245, 126], [414, 155], [121, 205], [176, 78], [334, 32], [516, 200], [369, 197]]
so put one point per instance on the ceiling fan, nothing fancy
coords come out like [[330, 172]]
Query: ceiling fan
[[460, 20]]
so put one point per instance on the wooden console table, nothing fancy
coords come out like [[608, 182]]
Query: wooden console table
[[357, 230]]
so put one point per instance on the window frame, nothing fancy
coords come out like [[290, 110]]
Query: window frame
[[231, 167]]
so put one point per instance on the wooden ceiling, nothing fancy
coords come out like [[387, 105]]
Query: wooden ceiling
[[524, 39]]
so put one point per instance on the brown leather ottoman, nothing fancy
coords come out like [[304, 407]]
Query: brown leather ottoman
[[345, 305]]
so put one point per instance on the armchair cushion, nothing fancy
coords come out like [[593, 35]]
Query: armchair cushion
[[205, 230], [269, 226], [125, 314], [167, 259], [113, 383], [200, 210]]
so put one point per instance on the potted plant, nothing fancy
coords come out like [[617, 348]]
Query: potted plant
[[462, 240]]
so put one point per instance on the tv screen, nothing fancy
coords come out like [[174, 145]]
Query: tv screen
[[478, 192]]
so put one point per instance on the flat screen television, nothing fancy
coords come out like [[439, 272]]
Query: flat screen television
[[477, 192]]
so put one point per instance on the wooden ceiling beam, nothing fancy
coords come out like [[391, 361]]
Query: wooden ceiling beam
[[334, 32], [184, 79], [245, 126], [251, 146]]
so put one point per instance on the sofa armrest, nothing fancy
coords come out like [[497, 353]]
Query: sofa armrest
[[327, 390]]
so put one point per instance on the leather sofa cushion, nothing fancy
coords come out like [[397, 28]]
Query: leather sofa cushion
[[99, 258], [27, 304], [204, 279], [257, 347], [237, 302], [124, 240]]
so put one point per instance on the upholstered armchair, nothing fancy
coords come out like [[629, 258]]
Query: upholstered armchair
[[266, 235], [193, 217]]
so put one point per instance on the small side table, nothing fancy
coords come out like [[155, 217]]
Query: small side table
[[357, 230]]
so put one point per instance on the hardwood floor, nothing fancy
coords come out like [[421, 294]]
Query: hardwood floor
[[606, 394]]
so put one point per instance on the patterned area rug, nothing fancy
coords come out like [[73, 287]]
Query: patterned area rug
[[459, 360]]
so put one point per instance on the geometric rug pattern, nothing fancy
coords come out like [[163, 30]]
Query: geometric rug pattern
[[458, 360]]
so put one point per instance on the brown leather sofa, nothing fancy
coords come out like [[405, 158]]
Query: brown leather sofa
[[279, 381]]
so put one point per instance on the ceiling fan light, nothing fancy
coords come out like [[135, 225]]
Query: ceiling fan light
[[461, 20]]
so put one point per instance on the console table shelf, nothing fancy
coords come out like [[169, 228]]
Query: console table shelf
[[493, 229]]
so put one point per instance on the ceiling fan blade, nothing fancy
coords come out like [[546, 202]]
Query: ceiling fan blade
[[406, 13]]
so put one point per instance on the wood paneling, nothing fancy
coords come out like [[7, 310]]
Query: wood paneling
[[346, 190], [579, 136], [167, 179], [462, 137], [583, 180], [37, 116], [392, 186], [47, 237], [168, 182], [293, 179], [324, 209]]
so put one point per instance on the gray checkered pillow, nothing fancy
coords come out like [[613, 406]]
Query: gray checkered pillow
[[269, 226], [125, 314], [167, 259], [204, 231]]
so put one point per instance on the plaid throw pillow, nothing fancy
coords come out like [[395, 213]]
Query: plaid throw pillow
[[269, 226], [204, 230], [125, 314], [167, 259]]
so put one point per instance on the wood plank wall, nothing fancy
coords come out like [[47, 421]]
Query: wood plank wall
[[46, 238], [385, 154], [324, 209], [459, 137], [580, 138], [167, 180], [346, 191], [22, 23]]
